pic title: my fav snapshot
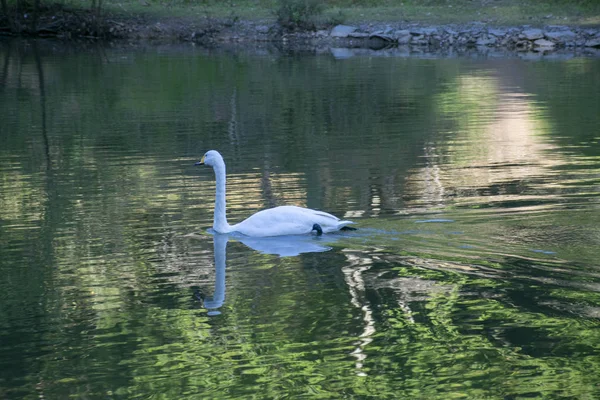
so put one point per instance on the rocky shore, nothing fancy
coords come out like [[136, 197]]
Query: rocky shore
[[477, 36], [517, 38]]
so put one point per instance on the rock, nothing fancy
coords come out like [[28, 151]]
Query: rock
[[358, 35], [560, 36], [420, 40], [264, 29], [470, 40], [470, 32], [197, 35], [388, 30], [342, 31], [497, 32], [382, 36], [532, 34], [486, 41], [429, 31], [403, 36], [404, 39], [595, 42], [544, 43], [423, 31]]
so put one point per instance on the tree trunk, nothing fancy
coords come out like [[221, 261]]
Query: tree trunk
[[9, 20], [34, 20], [5, 8]]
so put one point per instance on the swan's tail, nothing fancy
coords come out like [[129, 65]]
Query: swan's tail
[[343, 226]]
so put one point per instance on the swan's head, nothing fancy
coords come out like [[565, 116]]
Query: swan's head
[[211, 158]]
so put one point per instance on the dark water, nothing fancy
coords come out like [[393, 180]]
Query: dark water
[[475, 184]]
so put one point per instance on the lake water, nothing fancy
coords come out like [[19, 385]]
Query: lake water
[[474, 182]]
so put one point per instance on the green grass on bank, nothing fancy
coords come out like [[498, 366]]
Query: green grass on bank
[[497, 12], [493, 12]]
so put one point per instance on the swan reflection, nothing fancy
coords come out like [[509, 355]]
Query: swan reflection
[[286, 246], [220, 250], [282, 246]]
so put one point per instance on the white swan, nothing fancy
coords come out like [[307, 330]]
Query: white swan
[[278, 221]]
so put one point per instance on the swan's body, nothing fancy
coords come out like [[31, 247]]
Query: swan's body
[[278, 221], [287, 220]]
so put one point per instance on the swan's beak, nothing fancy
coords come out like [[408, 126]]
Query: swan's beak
[[201, 162]]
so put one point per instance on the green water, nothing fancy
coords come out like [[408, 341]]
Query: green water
[[475, 185]]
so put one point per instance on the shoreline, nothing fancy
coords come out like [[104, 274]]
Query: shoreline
[[66, 24], [427, 38]]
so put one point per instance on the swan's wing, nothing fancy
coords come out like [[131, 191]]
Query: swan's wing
[[324, 214], [328, 222], [295, 211], [288, 220], [261, 227]]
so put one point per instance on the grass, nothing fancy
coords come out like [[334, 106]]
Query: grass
[[493, 12], [500, 12]]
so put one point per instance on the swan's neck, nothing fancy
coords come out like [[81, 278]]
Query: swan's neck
[[220, 221]]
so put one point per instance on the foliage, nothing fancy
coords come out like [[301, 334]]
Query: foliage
[[299, 14], [56, 17], [294, 14], [335, 17]]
